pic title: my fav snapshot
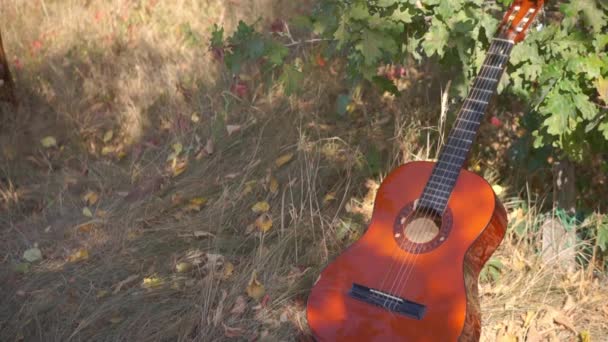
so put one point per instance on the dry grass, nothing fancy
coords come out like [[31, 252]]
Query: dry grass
[[140, 69]]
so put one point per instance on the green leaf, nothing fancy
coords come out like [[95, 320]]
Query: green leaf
[[217, 36], [602, 237], [359, 11], [402, 15], [341, 35], [276, 52], [291, 79], [435, 39], [386, 85], [371, 45], [604, 129], [558, 109], [586, 107]]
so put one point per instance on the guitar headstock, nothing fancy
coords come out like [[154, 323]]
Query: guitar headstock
[[518, 18]]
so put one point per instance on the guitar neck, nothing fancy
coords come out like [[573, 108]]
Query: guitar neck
[[454, 153]]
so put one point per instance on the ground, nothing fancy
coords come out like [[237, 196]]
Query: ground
[[143, 197]]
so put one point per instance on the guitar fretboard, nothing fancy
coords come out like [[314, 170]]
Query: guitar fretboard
[[454, 153]]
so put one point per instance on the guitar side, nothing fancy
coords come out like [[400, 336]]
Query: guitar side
[[443, 279]]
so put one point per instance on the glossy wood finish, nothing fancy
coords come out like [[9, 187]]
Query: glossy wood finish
[[444, 279]]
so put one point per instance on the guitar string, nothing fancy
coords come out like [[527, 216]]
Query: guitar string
[[427, 212], [479, 88], [444, 176], [476, 95], [473, 95]]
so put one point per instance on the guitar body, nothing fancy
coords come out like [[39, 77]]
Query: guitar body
[[440, 274]]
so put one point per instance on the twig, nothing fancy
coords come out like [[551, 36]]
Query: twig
[[309, 41]]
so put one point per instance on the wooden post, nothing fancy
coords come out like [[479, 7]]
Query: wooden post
[[7, 87], [558, 241]]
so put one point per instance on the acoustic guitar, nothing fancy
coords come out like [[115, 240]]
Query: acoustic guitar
[[413, 275]]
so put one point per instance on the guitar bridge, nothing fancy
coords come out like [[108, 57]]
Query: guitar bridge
[[387, 301]]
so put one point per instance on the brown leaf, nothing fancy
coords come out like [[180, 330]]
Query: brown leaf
[[220, 308], [233, 332], [562, 319], [273, 186], [239, 307], [228, 270], [232, 129], [79, 255], [209, 146]]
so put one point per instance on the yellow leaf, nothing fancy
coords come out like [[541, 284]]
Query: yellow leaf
[[108, 136], [329, 197], [48, 142], [196, 203], [248, 188], [264, 222], [585, 336], [274, 185], [79, 255], [90, 197], [602, 89], [177, 148], [183, 267], [151, 282], [497, 189], [255, 289], [107, 150], [228, 270], [179, 168], [102, 293], [260, 207], [87, 212], [116, 319], [282, 160], [194, 117]]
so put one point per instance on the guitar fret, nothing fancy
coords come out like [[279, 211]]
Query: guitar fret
[[489, 79], [465, 120], [448, 171], [439, 191], [465, 140], [473, 111], [453, 164], [484, 90], [432, 181], [478, 101], [462, 130], [504, 40], [491, 66]]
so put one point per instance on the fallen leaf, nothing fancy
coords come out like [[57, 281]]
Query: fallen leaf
[[22, 267], [329, 197], [179, 168], [151, 282], [108, 136], [196, 203], [239, 307], [274, 185], [585, 336], [228, 270], [101, 213], [232, 129], [48, 142], [199, 234], [194, 117], [177, 148], [232, 332], [32, 254], [102, 293], [90, 197], [220, 308], [282, 160], [602, 89], [562, 319], [248, 187], [264, 222], [79, 255], [107, 150], [255, 289], [260, 207], [497, 189], [115, 319], [124, 282], [183, 267], [209, 146], [87, 212]]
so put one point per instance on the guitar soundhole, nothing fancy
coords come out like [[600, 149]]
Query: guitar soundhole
[[421, 230]]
